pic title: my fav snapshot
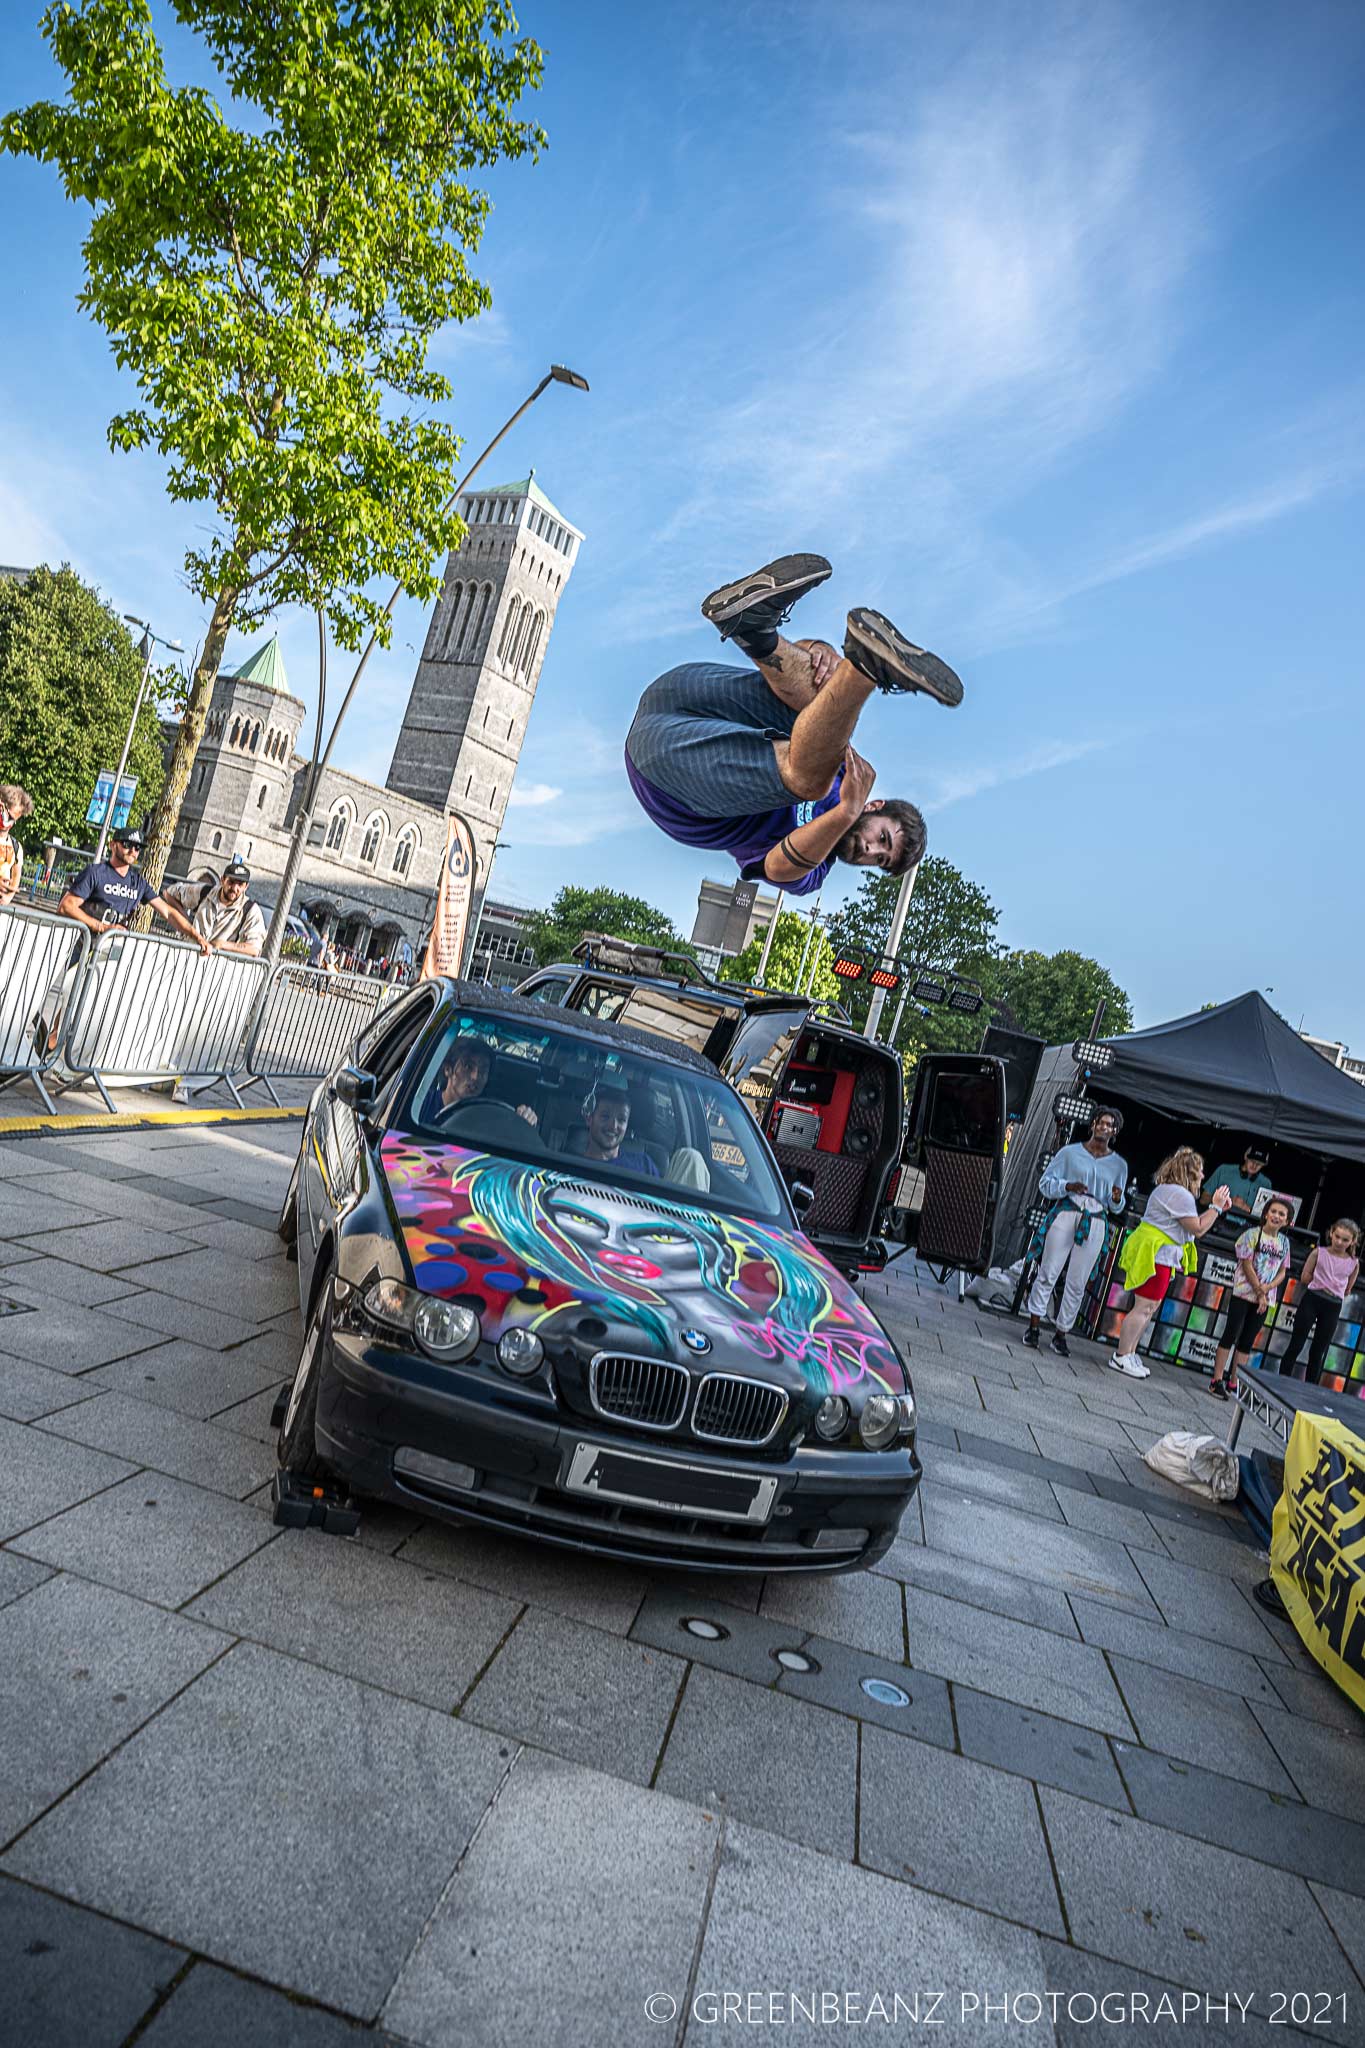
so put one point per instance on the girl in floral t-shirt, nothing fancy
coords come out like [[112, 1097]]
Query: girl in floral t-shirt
[[1262, 1263]]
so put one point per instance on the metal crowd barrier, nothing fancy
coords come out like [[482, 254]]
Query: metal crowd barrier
[[150, 1009], [307, 1020], [41, 960]]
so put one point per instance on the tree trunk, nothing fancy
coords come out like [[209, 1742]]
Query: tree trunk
[[157, 851]]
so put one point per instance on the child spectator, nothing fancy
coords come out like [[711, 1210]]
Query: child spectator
[[1262, 1263], [1330, 1273]]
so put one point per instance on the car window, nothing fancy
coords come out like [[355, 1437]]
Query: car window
[[552, 990], [601, 999], [382, 1049], [762, 1047], [544, 1094]]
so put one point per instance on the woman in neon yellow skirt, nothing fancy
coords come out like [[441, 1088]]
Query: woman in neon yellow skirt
[[1162, 1241]]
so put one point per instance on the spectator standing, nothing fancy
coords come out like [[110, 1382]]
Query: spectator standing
[[1262, 1263], [105, 893], [1085, 1184], [1243, 1182], [1162, 1241], [1330, 1273], [223, 912], [15, 803]]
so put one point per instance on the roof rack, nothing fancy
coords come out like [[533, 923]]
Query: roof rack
[[631, 956]]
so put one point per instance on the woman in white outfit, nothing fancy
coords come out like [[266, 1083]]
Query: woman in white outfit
[[1086, 1182]]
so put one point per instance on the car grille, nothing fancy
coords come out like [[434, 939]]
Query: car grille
[[646, 1391], [737, 1411]]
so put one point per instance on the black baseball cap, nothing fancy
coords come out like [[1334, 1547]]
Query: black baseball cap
[[127, 835], [236, 871], [1256, 1151]]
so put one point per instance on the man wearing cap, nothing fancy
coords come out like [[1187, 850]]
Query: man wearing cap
[[1242, 1182], [106, 892], [222, 912]]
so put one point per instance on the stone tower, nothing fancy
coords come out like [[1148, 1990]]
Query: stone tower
[[467, 711], [243, 770]]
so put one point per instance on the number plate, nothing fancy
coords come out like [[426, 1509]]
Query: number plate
[[667, 1485]]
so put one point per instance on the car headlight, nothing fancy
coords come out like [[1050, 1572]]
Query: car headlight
[[909, 1416], [831, 1418], [445, 1329], [880, 1421], [520, 1352]]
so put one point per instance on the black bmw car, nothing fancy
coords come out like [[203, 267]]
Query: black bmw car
[[553, 1282]]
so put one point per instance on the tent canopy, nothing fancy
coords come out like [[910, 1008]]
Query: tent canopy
[[1240, 1064]]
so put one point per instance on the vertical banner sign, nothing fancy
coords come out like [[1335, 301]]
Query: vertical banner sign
[[453, 898], [1317, 1549]]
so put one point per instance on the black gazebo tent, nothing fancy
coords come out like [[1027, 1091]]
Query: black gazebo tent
[[1238, 1067]]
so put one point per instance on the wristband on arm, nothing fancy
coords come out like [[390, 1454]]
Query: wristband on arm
[[798, 860]]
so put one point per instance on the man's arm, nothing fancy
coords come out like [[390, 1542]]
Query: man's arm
[[73, 906], [181, 922], [251, 939], [807, 845]]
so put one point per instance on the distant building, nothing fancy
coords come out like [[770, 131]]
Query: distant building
[[1332, 1049], [501, 954], [728, 915]]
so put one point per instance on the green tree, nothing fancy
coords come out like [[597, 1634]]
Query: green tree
[[784, 961], [272, 288], [949, 921], [552, 934], [1054, 995], [69, 676]]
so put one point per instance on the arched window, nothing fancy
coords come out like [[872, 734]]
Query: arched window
[[236, 728], [217, 841], [256, 736], [376, 827], [260, 801], [339, 827], [532, 645], [451, 602], [475, 648], [509, 628], [403, 852]]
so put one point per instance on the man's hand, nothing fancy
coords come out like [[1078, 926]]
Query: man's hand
[[525, 1110], [856, 788], [205, 945], [824, 659], [1075, 1187]]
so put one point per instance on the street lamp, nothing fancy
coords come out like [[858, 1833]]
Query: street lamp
[[498, 845], [556, 374], [149, 641]]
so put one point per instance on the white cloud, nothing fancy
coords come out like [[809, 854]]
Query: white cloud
[[531, 795], [956, 786]]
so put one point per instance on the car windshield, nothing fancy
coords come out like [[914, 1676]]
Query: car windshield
[[551, 1097]]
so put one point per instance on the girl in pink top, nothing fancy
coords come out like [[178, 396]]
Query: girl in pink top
[[1330, 1273]]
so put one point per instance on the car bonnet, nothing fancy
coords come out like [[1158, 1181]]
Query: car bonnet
[[560, 1253]]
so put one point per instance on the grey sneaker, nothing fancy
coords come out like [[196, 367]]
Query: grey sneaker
[[750, 611], [880, 651]]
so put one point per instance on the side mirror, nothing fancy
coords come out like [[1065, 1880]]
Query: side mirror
[[803, 1196], [356, 1089]]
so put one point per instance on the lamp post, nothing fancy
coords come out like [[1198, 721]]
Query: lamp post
[[761, 977], [149, 641], [556, 374], [498, 845]]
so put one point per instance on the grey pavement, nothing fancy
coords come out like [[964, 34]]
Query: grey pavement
[[433, 1785]]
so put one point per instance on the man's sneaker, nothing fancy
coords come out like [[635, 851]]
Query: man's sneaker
[[1031, 1338], [878, 650], [1128, 1363], [750, 611], [1059, 1344]]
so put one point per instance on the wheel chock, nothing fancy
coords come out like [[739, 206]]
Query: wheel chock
[[310, 1503]]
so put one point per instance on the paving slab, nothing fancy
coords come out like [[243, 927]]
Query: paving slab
[[252, 1416], [80, 1668], [1313, 1696], [151, 1536], [587, 1589], [1213, 1549], [1183, 1909], [19, 1575], [41, 1475], [1199, 1724], [982, 1585], [1346, 1915], [214, 2008], [788, 1919], [1030, 1462], [580, 1898], [734, 1746], [1264, 1825], [1173, 1649], [28, 1391], [920, 1812], [221, 1280], [1100, 2000], [1051, 1409], [581, 1694], [25, 1212], [106, 1245], [1050, 1552], [1031, 1666], [176, 1828], [334, 1603], [187, 1377], [1205, 1603], [747, 1648], [1037, 1746], [225, 1233], [154, 1315], [862, 1609], [1114, 1519], [44, 1279], [957, 1472], [71, 1977], [1064, 1448], [837, 1683], [72, 1339], [976, 1422], [221, 1460], [1327, 1767]]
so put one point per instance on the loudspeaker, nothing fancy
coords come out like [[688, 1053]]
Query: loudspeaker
[[1020, 1055]]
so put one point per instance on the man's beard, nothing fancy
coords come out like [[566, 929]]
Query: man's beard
[[847, 848]]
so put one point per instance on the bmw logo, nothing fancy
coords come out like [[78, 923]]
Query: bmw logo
[[696, 1341]]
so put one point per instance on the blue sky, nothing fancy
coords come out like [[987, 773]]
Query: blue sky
[[1042, 323]]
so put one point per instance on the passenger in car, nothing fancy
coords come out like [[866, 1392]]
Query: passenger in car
[[607, 1113]]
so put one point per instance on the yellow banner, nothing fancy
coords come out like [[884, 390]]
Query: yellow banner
[[1317, 1550], [453, 895]]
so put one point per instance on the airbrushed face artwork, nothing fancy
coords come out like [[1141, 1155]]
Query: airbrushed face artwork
[[545, 1252]]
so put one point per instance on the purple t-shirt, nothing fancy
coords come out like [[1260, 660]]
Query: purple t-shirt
[[749, 839]]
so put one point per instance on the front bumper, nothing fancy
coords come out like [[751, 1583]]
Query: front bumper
[[374, 1403]]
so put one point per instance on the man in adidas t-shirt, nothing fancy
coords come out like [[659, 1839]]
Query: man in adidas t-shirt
[[106, 892]]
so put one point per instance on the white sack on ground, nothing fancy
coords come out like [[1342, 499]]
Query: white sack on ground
[[1199, 1463]]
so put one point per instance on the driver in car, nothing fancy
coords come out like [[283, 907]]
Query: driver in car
[[463, 1078]]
